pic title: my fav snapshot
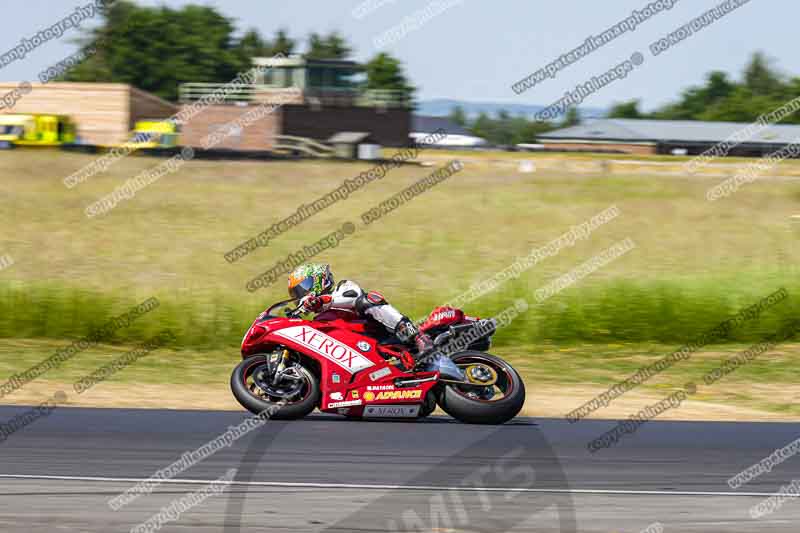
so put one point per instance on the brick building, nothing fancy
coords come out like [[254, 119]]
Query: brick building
[[104, 113], [330, 99]]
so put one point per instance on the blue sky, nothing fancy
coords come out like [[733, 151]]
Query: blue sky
[[476, 49]]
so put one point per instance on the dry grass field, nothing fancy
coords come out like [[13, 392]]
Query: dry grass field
[[695, 264]]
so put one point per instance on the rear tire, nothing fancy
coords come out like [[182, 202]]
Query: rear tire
[[256, 404], [474, 411]]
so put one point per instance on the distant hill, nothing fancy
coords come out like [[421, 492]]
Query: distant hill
[[441, 107]]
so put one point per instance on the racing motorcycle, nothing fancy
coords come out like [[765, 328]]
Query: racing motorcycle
[[290, 366]]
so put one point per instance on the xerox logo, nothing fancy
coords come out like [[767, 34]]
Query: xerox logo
[[391, 411], [327, 347]]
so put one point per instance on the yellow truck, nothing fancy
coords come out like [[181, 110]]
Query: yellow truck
[[153, 134], [35, 130]]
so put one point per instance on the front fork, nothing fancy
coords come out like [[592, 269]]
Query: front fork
[[277, 365]]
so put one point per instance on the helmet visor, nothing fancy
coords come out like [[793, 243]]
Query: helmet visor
[[302, 288]]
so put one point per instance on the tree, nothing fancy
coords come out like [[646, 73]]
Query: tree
[[718, 87], [508, 130], [483, 127], [156, 49], [760, 78], [331, 47], [529, 131], [457, 116], [253, 45], [503, 129], [282, 44], [629, 109], [385, 72], [571, 118], [761, 90]]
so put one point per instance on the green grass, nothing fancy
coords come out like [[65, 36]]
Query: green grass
[[540, 365], [695, 264]]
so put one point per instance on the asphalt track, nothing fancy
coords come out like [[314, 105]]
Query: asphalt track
[[329, 474]]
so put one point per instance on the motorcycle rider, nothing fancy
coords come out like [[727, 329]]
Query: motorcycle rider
[[313, 285]]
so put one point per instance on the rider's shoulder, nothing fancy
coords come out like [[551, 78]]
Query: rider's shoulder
[[347, 285]]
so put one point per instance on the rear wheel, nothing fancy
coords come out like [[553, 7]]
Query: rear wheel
[[254, 388], [494, 393]]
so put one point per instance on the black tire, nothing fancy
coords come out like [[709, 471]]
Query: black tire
[[429, 405], [256, 404], [473, 411]]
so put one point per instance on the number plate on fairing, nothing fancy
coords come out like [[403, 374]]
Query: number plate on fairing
[[391, 411]]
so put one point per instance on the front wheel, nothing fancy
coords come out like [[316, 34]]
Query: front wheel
[[253, 387], [493, 394]]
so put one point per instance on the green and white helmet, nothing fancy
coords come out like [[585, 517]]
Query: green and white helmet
[[310, 278]]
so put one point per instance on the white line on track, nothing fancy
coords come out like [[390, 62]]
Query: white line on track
[[281, 484]]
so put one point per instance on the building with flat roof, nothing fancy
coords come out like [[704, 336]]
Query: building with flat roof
[[691, 137], [329, 96], [103, 113], [310, 98]]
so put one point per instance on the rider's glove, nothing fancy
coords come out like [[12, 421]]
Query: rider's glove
[[314, 303]]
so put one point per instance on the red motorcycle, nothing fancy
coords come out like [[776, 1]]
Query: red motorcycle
[[356, 369]]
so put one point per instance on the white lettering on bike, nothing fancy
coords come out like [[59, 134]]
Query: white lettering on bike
[[327, 347], [391, 411], [442, 315]]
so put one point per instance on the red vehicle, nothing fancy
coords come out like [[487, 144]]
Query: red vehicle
[[352, 368]]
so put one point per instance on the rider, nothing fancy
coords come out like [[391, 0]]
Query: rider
[[313, 285]]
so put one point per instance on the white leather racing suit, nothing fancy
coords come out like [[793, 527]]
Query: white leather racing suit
[[349, 297]]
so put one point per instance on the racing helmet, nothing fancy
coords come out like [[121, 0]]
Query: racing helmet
[[310, 278]]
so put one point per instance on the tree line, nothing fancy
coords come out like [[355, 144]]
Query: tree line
[[762, 89], [159, 48]]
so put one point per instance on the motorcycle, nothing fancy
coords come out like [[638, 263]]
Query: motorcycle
[[291, 366]]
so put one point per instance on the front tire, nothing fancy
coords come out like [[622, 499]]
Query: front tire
[[465, 403], [255, 401]]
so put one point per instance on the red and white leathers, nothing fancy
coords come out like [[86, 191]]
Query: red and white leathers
[[348, 296]]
